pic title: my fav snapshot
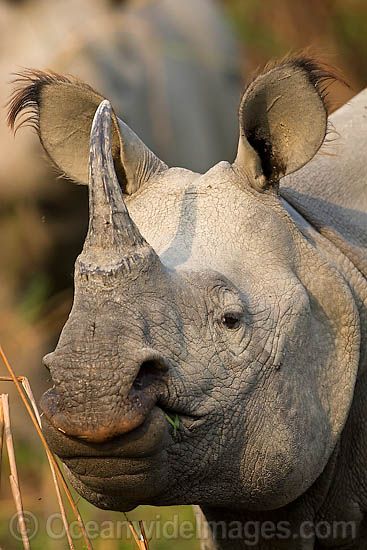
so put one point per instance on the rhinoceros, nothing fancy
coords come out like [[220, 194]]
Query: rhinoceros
[[233, 302], [148, 57]]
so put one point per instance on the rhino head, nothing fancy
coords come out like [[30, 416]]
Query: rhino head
[[211, 351]]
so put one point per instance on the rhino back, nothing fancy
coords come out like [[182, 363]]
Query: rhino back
[[331, 190]]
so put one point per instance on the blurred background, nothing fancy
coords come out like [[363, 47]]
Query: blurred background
[[174, 71]]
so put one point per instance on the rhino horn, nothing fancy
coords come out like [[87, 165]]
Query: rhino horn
[[112, 235]]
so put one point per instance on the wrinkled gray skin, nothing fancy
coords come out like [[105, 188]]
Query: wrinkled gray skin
[[245, 315]]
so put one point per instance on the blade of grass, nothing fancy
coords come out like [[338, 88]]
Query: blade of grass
[[27, 388], [1, 435], [175, 422], [48, 450], [14, 480], [134, 534], [139, 539], [142, 529], [142, 543], [60, 501]]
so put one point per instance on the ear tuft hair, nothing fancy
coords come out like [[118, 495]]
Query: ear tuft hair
[[283, 118], [24, 103], [320, 75], [61, 110]]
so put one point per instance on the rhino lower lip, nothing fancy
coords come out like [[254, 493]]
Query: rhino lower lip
[[112, 467]]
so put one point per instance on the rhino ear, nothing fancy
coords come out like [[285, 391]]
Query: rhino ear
[[62, 110], [283, 120]]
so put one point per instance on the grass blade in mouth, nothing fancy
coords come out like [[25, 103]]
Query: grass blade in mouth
[[175, 422]]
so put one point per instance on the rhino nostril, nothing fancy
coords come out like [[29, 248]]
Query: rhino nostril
[[149, 372]]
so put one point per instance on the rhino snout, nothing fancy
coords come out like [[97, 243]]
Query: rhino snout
[[80, 406]]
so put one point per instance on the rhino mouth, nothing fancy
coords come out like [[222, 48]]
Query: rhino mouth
[[126, 462], [149, 426], [87, 459], [133, 464]]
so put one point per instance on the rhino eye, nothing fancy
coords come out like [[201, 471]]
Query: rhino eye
[[231, 320]]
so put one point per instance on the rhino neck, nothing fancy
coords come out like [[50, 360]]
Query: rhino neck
[[280, 529], [330, 191], [341, 226]]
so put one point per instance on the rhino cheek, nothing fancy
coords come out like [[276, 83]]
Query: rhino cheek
[[285, 453]]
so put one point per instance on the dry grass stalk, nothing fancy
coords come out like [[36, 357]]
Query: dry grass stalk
[[141, 540], [48, 450], [27, 388], [14, 481], [1, 435], [145, 540]]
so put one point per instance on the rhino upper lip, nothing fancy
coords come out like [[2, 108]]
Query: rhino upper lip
[[91, 425], [144, 441]]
